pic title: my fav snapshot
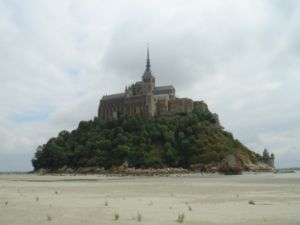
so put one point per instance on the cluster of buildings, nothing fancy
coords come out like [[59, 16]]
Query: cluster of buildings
[[144, 98]]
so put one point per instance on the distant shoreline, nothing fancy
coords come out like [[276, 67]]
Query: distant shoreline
[[145, 172], [154, 173], [140, 172]]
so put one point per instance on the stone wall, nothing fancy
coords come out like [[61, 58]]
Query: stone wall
[[180, 105], [136, 105], [109, 108]]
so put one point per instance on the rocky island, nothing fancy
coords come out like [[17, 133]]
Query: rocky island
[[148, 130]]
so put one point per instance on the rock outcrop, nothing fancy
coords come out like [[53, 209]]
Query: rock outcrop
[[238, 164]]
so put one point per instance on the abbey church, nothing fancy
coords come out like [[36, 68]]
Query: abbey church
[[144, 99]]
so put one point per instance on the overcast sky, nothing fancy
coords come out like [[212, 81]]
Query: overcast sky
[[58, 57]]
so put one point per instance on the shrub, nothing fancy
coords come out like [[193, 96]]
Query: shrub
[[139, 217], [116, 216], [180, 218]]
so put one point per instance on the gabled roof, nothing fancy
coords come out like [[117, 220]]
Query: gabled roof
[[114, 96], [167, 87]]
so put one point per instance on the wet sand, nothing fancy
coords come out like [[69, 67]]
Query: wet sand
[[93, 199]]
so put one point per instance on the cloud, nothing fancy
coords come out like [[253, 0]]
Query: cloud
[[57, 58]]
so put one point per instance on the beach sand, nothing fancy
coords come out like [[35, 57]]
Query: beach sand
[[96, 200]]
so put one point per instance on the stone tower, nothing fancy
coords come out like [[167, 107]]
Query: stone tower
[[149, 84], [268, 159]]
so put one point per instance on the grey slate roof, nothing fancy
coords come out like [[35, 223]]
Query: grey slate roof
[[167, 87], [114, 96], [147, 73], [164, 89]]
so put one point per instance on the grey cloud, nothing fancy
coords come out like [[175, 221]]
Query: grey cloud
[[241, 57]]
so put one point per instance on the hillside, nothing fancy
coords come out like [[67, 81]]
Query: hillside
[[194, 141]]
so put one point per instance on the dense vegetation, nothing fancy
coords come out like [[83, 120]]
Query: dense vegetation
[[170, 141]]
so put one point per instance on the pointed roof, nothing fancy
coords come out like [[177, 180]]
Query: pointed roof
[[148, 72]]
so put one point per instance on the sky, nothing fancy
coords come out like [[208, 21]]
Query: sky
[[59, 57]]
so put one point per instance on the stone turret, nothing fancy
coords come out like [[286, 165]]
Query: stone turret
[[268, 159]]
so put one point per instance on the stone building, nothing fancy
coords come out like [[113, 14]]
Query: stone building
[[144, 99], [268, 159]]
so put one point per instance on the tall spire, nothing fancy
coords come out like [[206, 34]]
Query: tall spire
[[148, 59], [148, 73]]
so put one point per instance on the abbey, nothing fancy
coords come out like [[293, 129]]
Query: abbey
[[144, 99]]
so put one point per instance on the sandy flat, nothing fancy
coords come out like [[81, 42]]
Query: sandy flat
[[94, 199]]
